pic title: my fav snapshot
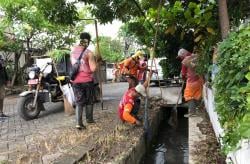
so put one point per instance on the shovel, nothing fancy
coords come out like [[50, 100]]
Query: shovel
[[173, 120]]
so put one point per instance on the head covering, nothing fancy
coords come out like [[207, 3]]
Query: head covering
[[182, 52], [138, 54], [141, 89]]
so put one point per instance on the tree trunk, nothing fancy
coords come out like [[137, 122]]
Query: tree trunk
[[224, 19], [28, 60], [16, 68]]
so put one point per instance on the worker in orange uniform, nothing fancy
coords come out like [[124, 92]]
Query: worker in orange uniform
[[130, 66], [128, 106], [194, 82]]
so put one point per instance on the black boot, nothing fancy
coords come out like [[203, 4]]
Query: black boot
[[2, 115], [79, 124], [89, 114], [1, 105]]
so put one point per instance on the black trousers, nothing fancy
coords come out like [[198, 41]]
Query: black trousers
[[136, 107]]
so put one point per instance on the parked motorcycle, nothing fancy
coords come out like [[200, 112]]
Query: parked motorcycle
[[43, 87]]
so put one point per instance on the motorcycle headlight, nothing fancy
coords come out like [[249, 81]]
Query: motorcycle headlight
[[32, 74]]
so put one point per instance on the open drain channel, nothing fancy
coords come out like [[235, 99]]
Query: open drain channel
[[170, 145]]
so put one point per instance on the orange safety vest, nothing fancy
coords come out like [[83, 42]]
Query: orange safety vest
[[127, 67]]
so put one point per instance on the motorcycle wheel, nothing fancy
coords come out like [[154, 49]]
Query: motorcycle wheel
[[25, 109]]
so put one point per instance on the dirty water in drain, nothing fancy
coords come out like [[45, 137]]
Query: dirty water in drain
[[170, 145]]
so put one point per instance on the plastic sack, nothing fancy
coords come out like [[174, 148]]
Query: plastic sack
[[68, 93]]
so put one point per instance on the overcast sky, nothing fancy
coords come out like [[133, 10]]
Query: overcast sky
[[110, 29], [105, 30]]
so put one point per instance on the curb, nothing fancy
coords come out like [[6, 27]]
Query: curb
[[136, 153], [74, 155]]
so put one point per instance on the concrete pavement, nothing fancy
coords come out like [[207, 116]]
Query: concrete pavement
[[48, 138], [52, 138]]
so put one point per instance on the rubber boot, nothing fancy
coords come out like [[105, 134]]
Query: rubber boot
[[1, 106], [2, 115], [191, 109], [79, 111], [89, 114]]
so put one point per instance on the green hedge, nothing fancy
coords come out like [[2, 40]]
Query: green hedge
[[232, 88]]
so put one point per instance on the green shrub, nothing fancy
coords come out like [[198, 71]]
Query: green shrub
[[58, 55], [170, 69], [232, 88]]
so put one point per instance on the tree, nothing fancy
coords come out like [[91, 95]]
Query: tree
[[178, 20], [112, 50], [239, 11], [107, 11], [224, 19], [33, 29], [181, 25], [129, 40]]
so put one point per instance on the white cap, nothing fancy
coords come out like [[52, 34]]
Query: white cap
[[182, 52], [141, 89]]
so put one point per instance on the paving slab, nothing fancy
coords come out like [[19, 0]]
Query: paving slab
[[194, 137], [52, 137]]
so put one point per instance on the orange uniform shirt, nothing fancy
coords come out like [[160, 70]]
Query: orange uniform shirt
[[130, 66], [126, 105]]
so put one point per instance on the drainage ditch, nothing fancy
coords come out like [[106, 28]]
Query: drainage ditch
[[170, 145]]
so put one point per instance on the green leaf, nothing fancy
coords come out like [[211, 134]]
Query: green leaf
[[187, 14], [58, 55], [232, 90], [192, 5], [212, 1], [210, 30], [248, 76]]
